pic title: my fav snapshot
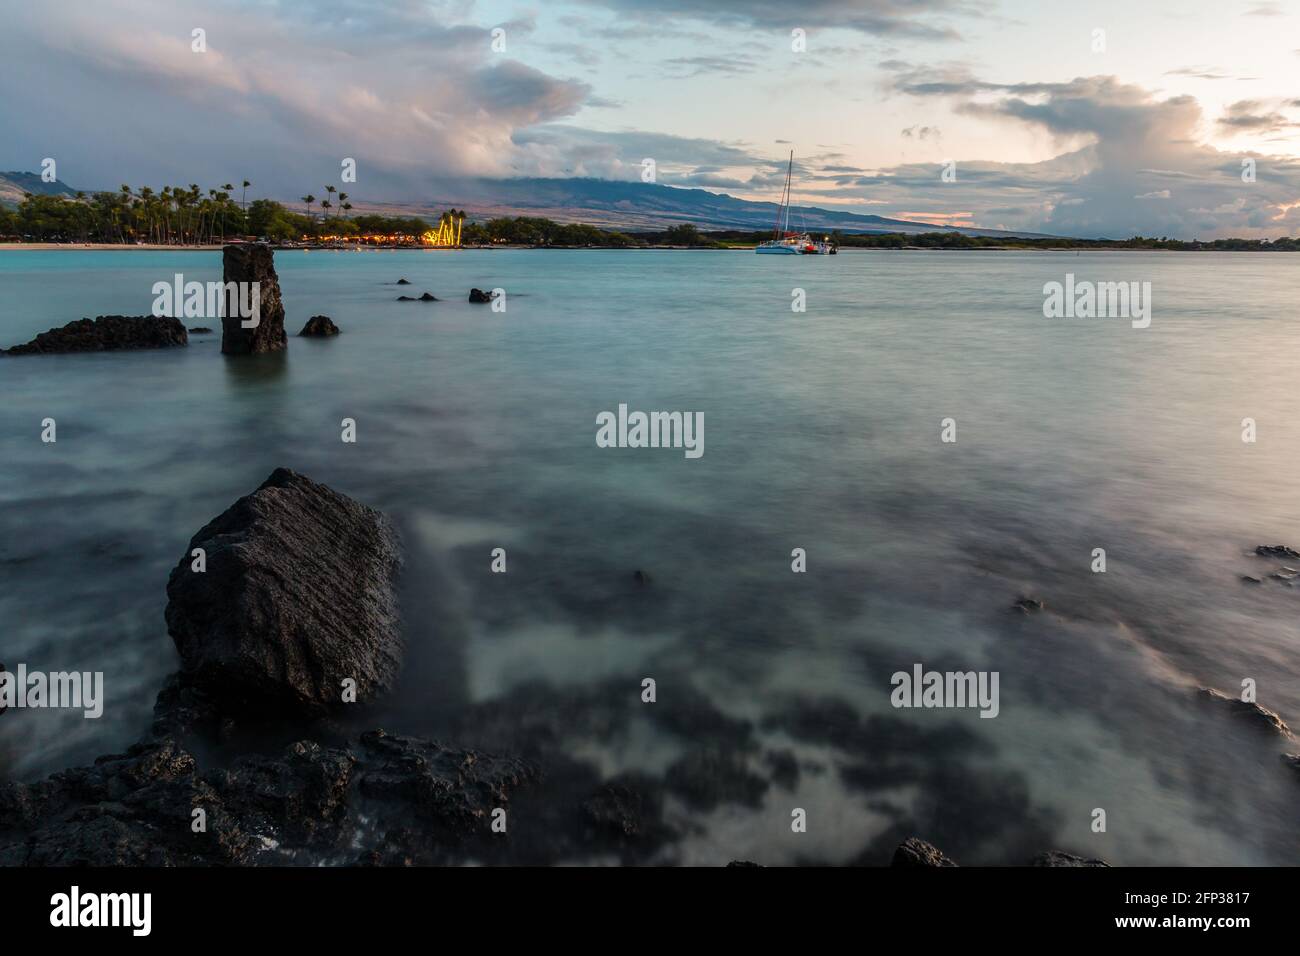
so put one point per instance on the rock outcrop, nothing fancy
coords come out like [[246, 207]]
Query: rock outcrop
[[915, 852], [1276, 551], [252, 263], [296, 592], [1060, 858], [107, 333], [297, 597], [320, 326], [377, 799], [479, 296], [1253, 713]]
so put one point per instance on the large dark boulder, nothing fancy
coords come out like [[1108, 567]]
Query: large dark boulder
[[298, 596], [915, 852], [107, 333], [252, 262], [480, 297]]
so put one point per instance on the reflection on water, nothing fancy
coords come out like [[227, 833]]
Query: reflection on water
[[476, 430]]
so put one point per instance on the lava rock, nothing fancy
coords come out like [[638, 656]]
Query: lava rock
[[107, 333], [1257, 716], [320, 326], [340, 803], [298, 596], [1027, 605], [1061, 858], [253, 262], [915, 852], [200, 330], [428, 297], [479, 296], [403, 281], [1276, 551]]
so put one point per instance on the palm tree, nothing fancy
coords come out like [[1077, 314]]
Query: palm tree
[[309, 199], [343, 202], [331, 191], [243, 200], [326, 205], [347, 206]]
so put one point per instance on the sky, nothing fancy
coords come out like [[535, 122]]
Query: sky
[[1088, 119]]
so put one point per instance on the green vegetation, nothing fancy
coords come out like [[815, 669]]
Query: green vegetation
[[185, 215]]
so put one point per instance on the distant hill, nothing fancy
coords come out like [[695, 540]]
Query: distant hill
[[614, 204], [607, 203], [14, 184]]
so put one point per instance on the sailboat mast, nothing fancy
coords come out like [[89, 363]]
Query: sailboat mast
[[788, 171], [782, 213]]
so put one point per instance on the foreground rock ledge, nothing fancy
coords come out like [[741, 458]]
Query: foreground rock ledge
[[107, 333], [298, 596], [381, 799]]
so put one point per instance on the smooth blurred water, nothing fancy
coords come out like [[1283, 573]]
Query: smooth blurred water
[[477, 430]]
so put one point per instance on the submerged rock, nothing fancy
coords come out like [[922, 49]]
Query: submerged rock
[[1256, 715], [1027, 605], [297, 597], [1061, 858], [253, 263], [428, 297], [107, 333], [320, 326], [915, 852], [403, 281], [200, 330], [1276, 551]]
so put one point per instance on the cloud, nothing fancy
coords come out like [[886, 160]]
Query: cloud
[[921, 132], [1257, 116], [282, 95], [1117, 141], [682, 67], [916, 19], [1206, 73]]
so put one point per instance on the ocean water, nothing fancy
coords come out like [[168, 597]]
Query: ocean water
[[476, 430]]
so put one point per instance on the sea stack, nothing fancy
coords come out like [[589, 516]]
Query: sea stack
[[252, 263]]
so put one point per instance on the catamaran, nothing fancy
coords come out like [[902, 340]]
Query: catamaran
[[786, 243]]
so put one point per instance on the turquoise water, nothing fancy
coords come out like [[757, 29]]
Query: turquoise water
[[476, 430]]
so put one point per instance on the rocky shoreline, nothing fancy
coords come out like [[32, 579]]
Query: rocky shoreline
[[284, 614]]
